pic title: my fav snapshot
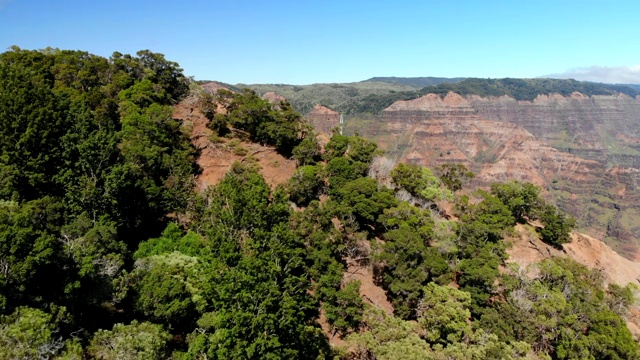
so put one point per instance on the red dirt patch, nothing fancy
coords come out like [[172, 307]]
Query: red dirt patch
[[216, 158], [369, 291], [595, 254], [213, 87], [273, 97]]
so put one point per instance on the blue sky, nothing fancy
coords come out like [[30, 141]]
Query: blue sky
[[303, 42]]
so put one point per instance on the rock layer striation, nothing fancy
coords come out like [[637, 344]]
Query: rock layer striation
[[584, 150]]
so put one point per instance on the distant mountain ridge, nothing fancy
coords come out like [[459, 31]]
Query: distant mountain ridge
[[373, 95], [633, 86], [417, 82], [527, 89]]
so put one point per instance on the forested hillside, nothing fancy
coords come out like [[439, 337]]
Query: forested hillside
[[374, 95], [417, 82], [349, 98], [527, 89], [108, 252]]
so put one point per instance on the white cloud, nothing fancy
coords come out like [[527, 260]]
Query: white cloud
[[603, 74]]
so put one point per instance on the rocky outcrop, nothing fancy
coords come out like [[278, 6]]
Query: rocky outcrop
[[213, 87], [602, 128], [273, 97], [568, 145], [323, 119]]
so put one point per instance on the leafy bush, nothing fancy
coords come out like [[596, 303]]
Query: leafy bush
[[557, 225], [419, 182], [522, 199], [306, 184], [279, 126], [130, 342], [307, 152]]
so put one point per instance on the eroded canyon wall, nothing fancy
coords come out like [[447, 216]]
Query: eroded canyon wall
[[584, 150]]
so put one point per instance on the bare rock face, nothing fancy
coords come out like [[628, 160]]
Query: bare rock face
[[602, 128], [585, 151], [213, 87], [273, 97], [323, 119]]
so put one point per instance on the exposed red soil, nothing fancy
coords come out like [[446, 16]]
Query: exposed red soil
[[528, 249], [213, 87], [334, 338], [370, 292], [273, 97], [216, 158]]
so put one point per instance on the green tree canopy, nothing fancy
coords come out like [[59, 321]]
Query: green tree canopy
[[138, 340], [419, 182], [275, 125], [522, 199]]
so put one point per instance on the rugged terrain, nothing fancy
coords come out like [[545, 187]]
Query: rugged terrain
[[452, 131], [583, 150], [217, 155]]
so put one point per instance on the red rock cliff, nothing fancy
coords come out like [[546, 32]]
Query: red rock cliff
[[565, 144]]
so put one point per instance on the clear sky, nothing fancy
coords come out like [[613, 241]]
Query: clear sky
[[304, 41]]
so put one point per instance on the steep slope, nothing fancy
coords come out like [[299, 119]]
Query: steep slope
[[219, 154], [565, 144], [323, 119], [527, 249], [599, 127], [216, 157]]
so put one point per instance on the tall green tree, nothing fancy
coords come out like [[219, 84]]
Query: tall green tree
[[259, 120], [32, 120], [419, 182], [34, 269], [365, 200], [444, 314], [522, 199], [255, 280], [557, 225]]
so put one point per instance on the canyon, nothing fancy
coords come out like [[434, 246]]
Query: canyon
[[498, 143], [584, 151]]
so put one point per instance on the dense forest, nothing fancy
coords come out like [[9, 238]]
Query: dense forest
[[108, 252]]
